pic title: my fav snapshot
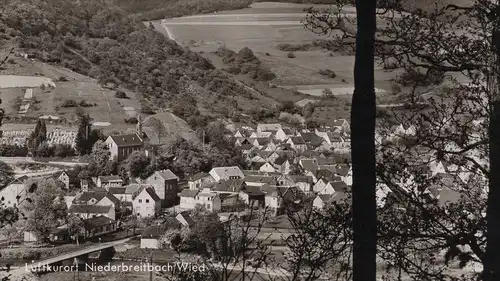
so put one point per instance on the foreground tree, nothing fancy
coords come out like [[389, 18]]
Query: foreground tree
[[460, 123], [363, 112]]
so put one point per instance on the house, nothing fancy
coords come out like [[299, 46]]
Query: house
[[264, 135], [184, 219], [109, 181], [63, 177], [256, 180], [309, 164], [297, 143], [99, 198], [283, 134], [188, 199], [271, 146], [312, 139], [335, 140], [342, 125], [226, 173], [166, 186], [266, 167], [146, 203], [84, 184], [253, 196], [260, 142], [321, 132], [323, 200], [99, 225], [228, 199], [89, 211], [199, 180], [208, 199], [16, 192], [233, 186], [121, 194], [304, 183], [334, 186], [275, 195], [121, 146], [283, 165], [268, 128]]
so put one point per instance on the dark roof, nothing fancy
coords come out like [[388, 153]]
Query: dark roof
[[326, 161], [89, 209], [309, 164], [262, 141], [339, 186], [110, 178], [97, 195], [342, 169], [252, 190], [336, 137], [185, 215], [152, 193], [198, 176], [260, 179], [300, 178], [280, 160], [127, 140], [117, 190], [273, 190], [167, 174], [287, 131], [98, 221], [311, 138], [297, 140], [232, 185], [188, 193], [246, 146], [327, 174]]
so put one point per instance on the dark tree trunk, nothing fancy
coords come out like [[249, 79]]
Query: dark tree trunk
[[363, 146], [491, 270]]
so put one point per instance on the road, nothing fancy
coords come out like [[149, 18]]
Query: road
[[17, 160]]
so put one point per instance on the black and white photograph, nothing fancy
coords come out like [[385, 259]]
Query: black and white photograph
[[249, 140]]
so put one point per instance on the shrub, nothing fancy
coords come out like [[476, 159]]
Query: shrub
[[290, 55], [62, 78], [121, 95], [131, 120], [64, 150], [292, 48], [327, 72], [146, 109], [83, 103], [9, 150], [69, 103], [45, 150], [327, 93]]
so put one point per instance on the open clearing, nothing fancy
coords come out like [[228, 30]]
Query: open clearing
[[263, 27], [18, 81]]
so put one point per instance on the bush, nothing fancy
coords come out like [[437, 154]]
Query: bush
[[121, 95], [83, 103], [9, 150], [327, 72], [292, 48], [45, 150], [62, 79], [146, 109], [64, 150], [131, 120], [69, 103], [291, 55]]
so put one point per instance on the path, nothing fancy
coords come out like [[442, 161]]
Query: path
[[16, 160]]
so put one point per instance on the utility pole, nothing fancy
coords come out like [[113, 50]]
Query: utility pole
[[151, 263]]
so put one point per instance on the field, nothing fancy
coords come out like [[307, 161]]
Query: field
[[263, 27], [21, 74]]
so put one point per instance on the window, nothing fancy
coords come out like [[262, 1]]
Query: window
[[140, 200], [147, 200]]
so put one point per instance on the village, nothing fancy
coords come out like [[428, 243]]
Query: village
[[289, 168]]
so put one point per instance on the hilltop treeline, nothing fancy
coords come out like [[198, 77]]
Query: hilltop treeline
[[159, 9], [98, 39]]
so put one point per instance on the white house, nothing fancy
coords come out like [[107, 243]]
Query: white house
[[297, 143], [188, 199], [91, 211], [15, 192], [146, 203], [64, 178], [210, 200], [121, 146], [342, 125], [226, 173], [165, 184], [333, 187], [200, 179], [283, 134], [267, 168]]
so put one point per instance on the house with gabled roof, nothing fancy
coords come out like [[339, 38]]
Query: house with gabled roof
[[166, 186], [342, 125], [146, 203], [334, 186], [90, 211], [109, 181], [283, 134], [15, 193], [188, 199], [121, 146], [226, 173], [267, 167], [252, 195], [321, 201], [261, 142], [63, 177], [232, 186], [271, 146], [197, 181], [309, 164], [275, 195], [297, 143], [312, 139], [208, 199], [258, 180]]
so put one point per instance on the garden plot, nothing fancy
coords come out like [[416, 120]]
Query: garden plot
[[17, 81]]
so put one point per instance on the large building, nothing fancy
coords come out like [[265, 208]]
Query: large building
[[121, 146]]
